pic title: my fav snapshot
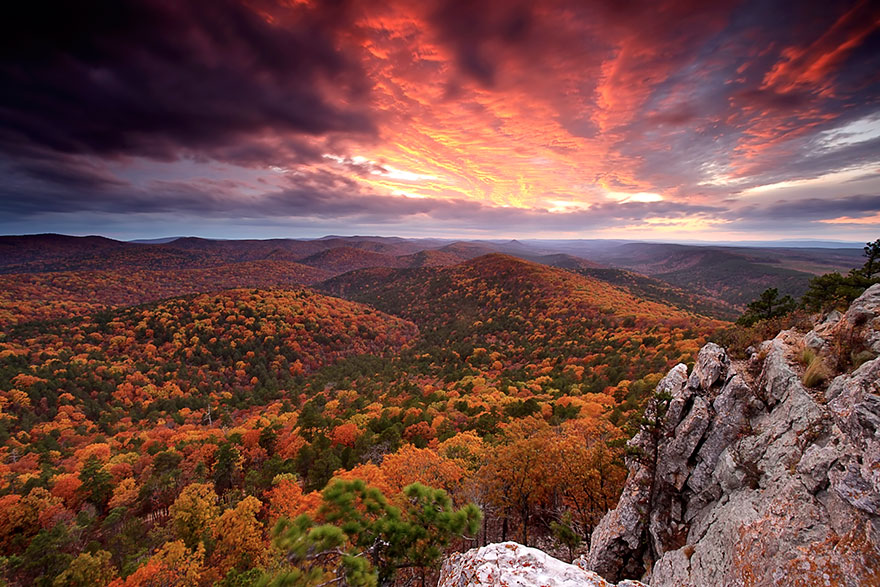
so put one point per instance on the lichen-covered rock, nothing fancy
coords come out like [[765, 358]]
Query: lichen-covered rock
[[705, 413], [855, 406], [777, 376], [509, 564], [815, 342], [764, 483]]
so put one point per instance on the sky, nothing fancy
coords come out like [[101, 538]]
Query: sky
[[656, 119]]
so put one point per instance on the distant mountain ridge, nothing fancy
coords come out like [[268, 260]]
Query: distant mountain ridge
[[709, 280], [427, 294], [736, 275]]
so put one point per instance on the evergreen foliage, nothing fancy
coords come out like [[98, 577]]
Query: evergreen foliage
[[825, 292], [366, 539], [768, 305]]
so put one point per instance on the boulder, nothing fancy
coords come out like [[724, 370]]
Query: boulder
[[711, 367], [509, 564], [863, 316]]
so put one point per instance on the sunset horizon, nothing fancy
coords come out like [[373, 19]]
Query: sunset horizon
[[659, 121]]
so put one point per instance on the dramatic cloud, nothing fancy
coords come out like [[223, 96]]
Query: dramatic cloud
[[602, 118], [161, 78]]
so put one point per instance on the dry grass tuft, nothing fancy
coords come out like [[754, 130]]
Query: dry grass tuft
[[817, 373], [807, 356], [860, 358]]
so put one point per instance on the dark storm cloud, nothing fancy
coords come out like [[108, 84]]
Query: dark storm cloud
[[157, 78], [491, 36], [478, 30], [67, 172]]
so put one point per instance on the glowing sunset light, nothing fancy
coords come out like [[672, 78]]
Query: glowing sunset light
[[447, 117], [873, 219], [638, 197], [835, 178]]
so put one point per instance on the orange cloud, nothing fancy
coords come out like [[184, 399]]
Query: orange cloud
[[814, 65]]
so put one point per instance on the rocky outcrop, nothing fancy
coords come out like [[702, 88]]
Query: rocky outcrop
[[743, 476], [509, 564], [864, 315]]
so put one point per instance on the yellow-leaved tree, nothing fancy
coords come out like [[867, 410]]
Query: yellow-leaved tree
[[193, 513]]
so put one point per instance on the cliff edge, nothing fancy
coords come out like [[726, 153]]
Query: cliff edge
[[745, 475]]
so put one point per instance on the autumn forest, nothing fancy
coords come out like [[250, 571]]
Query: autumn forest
[[308, 412]]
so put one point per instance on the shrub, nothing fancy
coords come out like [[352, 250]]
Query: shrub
[[768, 306], [366, 539]]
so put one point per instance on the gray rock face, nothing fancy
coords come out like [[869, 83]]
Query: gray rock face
[[815, 342], [764, 483], [711, 367], [855, 408], [864, 313], [617, 545]]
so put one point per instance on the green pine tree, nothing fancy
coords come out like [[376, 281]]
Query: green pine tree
[[365, 539], [768, 305], [872, 265], [96, 482]]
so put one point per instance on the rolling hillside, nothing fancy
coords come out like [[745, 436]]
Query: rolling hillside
[[64, 294], [525, 313], [736, 275], [246, 343], [114, 417], [344, 259], [711, 280], [373, 285]]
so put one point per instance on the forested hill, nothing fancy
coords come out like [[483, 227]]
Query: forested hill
[[150, 437]]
